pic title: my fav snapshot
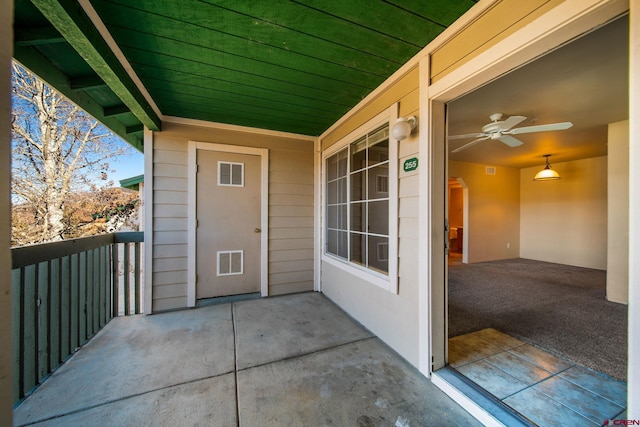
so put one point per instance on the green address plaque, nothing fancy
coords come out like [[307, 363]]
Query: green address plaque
[[410, 164]]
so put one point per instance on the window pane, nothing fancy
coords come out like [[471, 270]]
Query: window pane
[[332, 216], [332, 192], [225, 174], [379, 182], [358, 216], [343, 249], [342, 190], [236, 178], [342, 162], [358, 248], [332, 167], [379, 253], [332, 242], [358, 186], [359, 154], [379, 217], [342, 217]]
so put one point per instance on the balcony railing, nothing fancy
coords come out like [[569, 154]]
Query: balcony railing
[[63, 293]]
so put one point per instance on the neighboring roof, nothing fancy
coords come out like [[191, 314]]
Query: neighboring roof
[[292, 66], [132, 183]]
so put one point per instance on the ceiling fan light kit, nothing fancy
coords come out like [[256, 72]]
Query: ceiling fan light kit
[[547, 174], [403, 127], [503, 129]]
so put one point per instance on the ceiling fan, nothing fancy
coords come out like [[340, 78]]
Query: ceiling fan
[[502, 131]]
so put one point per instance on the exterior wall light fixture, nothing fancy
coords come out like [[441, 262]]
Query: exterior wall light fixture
[[403, 127]]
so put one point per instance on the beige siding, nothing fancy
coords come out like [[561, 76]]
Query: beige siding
[[405, 91], [394, 318], [291, 223], [290, 210], [495, 24]]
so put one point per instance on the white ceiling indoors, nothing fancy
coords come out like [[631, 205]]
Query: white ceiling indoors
[[584, 82]]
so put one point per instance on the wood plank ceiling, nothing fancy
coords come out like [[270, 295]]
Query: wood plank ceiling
[[293, 66]]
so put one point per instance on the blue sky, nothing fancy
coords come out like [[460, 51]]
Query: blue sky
[[126, 166]]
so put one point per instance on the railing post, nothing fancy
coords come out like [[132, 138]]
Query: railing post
[[115, 278], [137, 273], [127, 290]]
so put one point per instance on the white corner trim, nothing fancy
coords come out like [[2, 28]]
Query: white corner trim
[[424, 226], [192, 205], [237, 128], [148, 222], [106, 35], [317, 220], [264, 223], [192, 169]]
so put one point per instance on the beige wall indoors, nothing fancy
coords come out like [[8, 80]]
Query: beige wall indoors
[[290, 209], [565, 221], [494, 211], [618, 213]]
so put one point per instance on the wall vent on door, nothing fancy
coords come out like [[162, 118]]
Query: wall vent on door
[[230, 174], [230, 263]]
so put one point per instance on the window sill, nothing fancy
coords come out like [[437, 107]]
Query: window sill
[[378, 279]]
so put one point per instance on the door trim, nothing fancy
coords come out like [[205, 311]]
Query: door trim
[[194, 146]]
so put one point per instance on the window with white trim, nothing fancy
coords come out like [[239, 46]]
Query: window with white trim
[[357, 202]]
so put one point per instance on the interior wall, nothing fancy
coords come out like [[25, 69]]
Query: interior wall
[[392, 317], [618, 212], [565, 221], [290, 209], [6, 353], [494, 211], [456, 207]]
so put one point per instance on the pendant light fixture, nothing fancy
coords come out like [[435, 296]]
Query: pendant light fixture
[[547, 174]]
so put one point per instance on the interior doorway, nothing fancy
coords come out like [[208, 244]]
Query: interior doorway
[[457, 212], [529, 308]]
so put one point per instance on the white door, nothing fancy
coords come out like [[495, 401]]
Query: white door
[[228, 221]]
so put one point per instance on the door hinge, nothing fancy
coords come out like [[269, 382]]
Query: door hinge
[[197, 168]]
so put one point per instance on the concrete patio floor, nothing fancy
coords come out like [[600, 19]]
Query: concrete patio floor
[[295, 360]]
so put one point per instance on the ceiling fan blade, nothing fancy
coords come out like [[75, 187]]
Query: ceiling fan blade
[[510, 141], [511, 122], [469, 144], [541, 128], [468, 135]]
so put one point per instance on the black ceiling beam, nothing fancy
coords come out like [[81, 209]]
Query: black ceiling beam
[[88, 82], [134, 129], [35, 36], [116, 110]]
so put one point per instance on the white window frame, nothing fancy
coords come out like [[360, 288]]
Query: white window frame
[[230, 253], [231, 165], [388, 281]]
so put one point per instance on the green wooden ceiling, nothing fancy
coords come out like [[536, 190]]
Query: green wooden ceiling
[[293, 66]]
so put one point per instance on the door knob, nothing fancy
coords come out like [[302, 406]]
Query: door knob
[[257, 230]]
